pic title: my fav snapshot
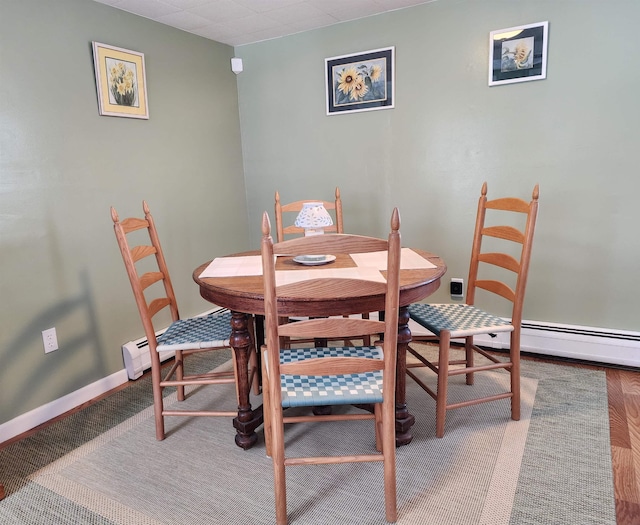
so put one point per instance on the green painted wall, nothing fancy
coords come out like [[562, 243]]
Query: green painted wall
[[62, 166], [575, 133]]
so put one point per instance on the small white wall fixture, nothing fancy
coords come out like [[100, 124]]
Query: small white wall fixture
[[236, 65]]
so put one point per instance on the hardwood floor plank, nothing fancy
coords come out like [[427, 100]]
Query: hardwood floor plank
[[624, 475], [625, 443], [630, 382], [632, 406], [627, 513], [618, 426]]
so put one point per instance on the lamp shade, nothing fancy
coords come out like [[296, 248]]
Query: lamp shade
[[313, 216]]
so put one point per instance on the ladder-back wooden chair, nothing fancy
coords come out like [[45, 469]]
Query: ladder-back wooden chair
[[311, 376], [293, 208], [291, 211], [153, 292], [499, 266]]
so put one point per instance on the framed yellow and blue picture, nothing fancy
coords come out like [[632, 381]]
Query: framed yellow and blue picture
[[518, 54], [360, 82]]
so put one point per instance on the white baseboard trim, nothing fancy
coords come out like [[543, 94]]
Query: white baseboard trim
[[44, 413], [615, 347]]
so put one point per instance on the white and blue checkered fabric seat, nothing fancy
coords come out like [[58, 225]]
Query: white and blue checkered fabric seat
[[208, 331], [461, 320], [301, 390]]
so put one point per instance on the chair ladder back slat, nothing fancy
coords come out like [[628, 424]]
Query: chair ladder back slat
[[330, 288], [504, 260], [349, 327], [297, 206], [508, 233], [158, 304], [149, 278], [142, 251], [132, 224], [497, 287], [332, 366], [509, 204], [317, 245]]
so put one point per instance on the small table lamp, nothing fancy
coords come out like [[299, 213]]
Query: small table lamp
[[313, 217]]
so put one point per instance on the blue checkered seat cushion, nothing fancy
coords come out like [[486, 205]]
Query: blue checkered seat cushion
[[208, 331], [301, 390], [461, 320]]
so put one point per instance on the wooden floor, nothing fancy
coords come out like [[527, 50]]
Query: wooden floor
[[623, 388], [624, 418]]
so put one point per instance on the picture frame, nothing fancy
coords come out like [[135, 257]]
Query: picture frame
[[360, 82], [121, 82], [518, 54]]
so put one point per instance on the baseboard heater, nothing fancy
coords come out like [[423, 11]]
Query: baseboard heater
[[599, 345], [136, 353], [617, 347]]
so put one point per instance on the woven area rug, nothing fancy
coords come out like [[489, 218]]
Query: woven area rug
[[103, 465]]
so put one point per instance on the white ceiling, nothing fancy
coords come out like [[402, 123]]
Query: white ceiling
[[237, 22]]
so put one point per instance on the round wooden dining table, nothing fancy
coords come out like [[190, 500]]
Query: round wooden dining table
[[244, 296]]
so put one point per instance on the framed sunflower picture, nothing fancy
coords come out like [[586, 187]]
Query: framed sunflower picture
[[120, 81], [360, 82], [518, 54]]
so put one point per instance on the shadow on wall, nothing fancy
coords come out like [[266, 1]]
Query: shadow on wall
[[78, 361]]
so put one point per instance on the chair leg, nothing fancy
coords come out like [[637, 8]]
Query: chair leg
[[266, 406], [443, 378], [379, 426], [389, 452], [279, 477], [180, 374], [468, 350], [514, 352], [367, 338], [158, 403]]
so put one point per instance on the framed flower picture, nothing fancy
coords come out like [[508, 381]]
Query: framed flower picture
[[360, 82], [518, 54], [120, 81]]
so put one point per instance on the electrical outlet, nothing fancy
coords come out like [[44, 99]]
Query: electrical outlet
[[50, 340], [457, 288]]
